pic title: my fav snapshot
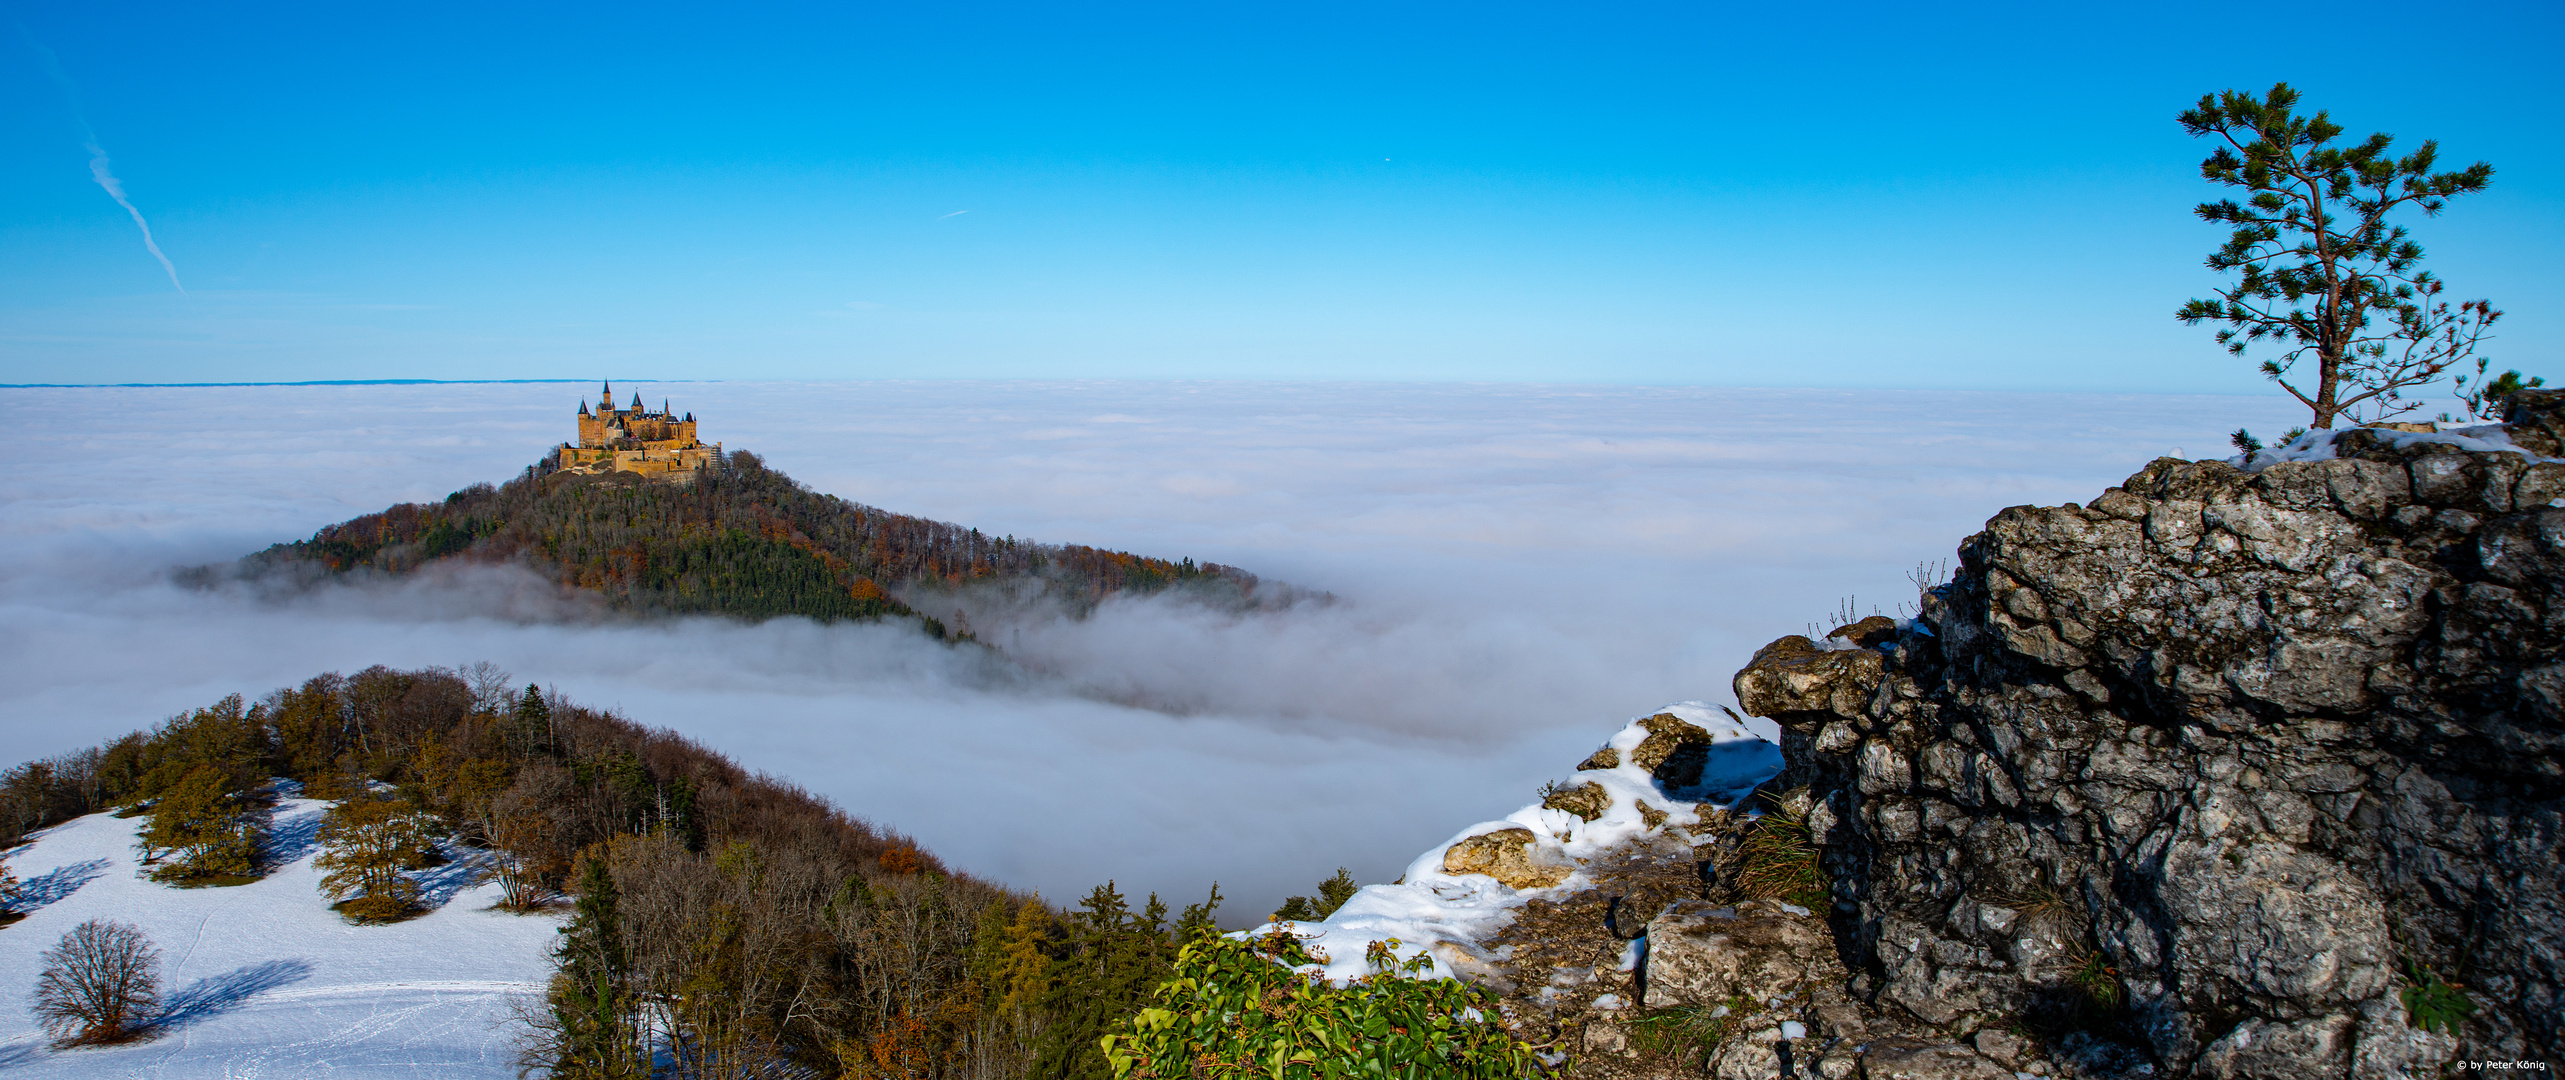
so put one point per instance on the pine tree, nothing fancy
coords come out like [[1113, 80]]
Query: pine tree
[[2322, 274], [1198, 918], [590, 1028], [365, 845], [1116, 958], [2483, 393], [1332, 894], [533, 722]]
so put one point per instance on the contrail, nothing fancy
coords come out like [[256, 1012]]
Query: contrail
[[957, 213], [116, 190], [98, 165]]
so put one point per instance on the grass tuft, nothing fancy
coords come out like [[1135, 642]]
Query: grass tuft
[[2098, 982], [1683, 1029], [1777, 858]]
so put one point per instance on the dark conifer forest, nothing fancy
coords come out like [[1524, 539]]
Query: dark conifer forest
[[742, 540]]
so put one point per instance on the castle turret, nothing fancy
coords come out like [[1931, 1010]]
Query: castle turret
[[636, 401]]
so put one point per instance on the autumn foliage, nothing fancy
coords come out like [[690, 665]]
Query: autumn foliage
[[741, 540]]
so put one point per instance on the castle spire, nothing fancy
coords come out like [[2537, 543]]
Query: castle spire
[[608, 397], [636, 401], [583, 408], [663, 406]]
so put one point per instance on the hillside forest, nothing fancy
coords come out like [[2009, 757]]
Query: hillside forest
[[742, 540], [720, 923]]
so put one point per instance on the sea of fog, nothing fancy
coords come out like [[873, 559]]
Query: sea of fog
[[1518, 569]]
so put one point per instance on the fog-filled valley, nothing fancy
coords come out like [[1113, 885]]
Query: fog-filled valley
[[1516, 570]]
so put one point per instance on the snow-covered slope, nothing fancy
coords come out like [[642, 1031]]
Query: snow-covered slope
[[264, 980], [1432, 912]]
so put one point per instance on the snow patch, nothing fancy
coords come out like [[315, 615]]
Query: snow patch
[[263, 979], [1439, 915]]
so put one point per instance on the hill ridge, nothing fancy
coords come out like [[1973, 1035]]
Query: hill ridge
[[743, 540]]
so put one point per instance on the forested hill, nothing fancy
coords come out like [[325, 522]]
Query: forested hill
[[742, 540]]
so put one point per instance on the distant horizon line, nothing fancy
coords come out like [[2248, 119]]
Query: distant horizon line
[[1092, 379], [305, 382]]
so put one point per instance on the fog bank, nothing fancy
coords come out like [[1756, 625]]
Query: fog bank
[[1519, 569]]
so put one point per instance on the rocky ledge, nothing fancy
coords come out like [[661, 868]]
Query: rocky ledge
[[2235, 772]]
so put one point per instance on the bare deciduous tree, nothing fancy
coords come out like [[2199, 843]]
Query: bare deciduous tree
[[489, 686], [100, 984]]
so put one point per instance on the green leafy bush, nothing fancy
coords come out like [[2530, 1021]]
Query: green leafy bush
[[1241, 1009]]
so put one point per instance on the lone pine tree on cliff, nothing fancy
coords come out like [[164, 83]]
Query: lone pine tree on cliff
[[2322, 273]]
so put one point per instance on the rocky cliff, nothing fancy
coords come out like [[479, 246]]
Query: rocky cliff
[[2252, 768]]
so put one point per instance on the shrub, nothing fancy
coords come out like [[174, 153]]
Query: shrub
[[100, 984], [1240, 1008]]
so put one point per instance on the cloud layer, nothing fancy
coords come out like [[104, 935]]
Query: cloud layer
[[1520, 568]]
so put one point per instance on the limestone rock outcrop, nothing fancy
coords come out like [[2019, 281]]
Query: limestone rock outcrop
[[1507, 856], [2228, 766], [1702, 953]]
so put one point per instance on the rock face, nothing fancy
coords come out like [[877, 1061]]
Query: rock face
[[1699, 953], [2225, 764], [1506, 855]]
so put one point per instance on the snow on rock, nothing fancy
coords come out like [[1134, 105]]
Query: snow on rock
[[263, 979], [2318, 445], [1655, 773]]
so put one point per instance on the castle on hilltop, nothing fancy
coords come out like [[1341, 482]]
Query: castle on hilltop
[[656, 445]]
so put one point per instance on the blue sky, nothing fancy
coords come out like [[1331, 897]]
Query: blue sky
[[1961, 197]]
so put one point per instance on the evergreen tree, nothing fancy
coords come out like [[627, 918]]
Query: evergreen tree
[[1332, 894], [2484, 398], [2321, 272], [1199, 918], [591, 1031], [534, 722], [1115, 958]]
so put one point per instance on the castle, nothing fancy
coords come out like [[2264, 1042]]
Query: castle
[[656, 445]]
